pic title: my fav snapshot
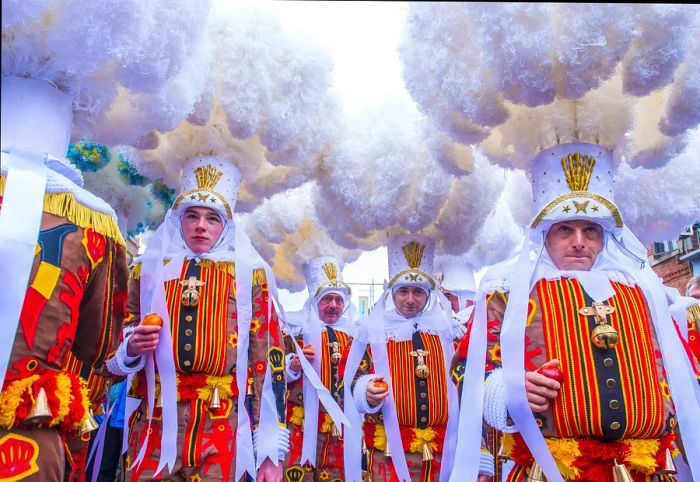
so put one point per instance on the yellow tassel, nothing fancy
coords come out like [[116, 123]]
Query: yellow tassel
[[694, 313], [327, 424], [259, 277], [642, 456], [135, 272], [11, 397], [297, 417]]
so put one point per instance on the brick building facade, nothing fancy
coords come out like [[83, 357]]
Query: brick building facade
[[679, 260]]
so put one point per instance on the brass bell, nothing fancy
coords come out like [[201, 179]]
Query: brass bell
[[387, 452], [90, 423], [366, 476], [335, 432], [535, 474], [422, 371], [669, 466], [40, 412], [215, 401], [605, 336], [250, 391], [502, 455], [190, 298], [620, 473], [427, 453], [159, 400], [364, 447]]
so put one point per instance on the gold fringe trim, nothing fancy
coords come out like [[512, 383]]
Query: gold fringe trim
[[135, 272], [227, 267], [259, 277], [694, 313], [63, 204]]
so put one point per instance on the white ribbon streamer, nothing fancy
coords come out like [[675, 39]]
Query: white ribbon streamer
[[316, 391], [468, 451], [20, 223]]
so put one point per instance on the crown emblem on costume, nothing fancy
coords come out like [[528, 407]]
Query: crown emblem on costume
[[207, 177], [578, 169], [331, 270], [294, 473], [413, 252]]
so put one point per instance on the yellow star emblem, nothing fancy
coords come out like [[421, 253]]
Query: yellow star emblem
[[566, 208]]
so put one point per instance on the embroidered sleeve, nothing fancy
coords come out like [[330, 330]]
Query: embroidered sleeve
[[103, 306]]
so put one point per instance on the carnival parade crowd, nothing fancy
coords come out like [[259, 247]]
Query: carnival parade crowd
[[569, 361]]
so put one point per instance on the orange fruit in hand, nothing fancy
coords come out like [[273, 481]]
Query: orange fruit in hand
[[152, 319], [381, 384]]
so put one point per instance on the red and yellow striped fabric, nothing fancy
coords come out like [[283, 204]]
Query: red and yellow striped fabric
[[326, 365], [403, 379], [210, 324], [578, 411]]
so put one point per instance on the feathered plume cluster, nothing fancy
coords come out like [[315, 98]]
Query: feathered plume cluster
[[128, 65], [511, 79]]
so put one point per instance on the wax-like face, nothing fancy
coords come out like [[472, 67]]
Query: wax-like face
[[454, 300], [201, 228], [330, 307], [694, 291], [574, 245], [410, 300]]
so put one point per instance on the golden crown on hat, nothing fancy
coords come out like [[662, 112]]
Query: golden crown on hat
[[575, 181], [209, 182], [323, 274], [410, 260]]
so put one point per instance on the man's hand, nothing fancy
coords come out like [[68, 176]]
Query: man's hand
[[143, 340], [375, 394], [295, 364], [270, 472], [541, 390]]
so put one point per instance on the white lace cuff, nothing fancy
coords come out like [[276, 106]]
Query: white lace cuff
[[292, 376], [495, 409], [359, 394], [486, 466], [121, 364], [282, 444]]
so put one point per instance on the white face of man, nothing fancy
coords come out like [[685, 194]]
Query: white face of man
[[410, 300], [574, 245], [330, 307], [202, 228], [694, 291]]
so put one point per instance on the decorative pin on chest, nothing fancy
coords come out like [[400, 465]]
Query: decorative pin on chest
[[422, 370], [604, 335], [335, 352], [190, 295]]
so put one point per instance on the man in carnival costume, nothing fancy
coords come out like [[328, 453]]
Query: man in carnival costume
[[457, 284], [410, 404], [325, 328], [64, 283], [220, 363], [586, 376]]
